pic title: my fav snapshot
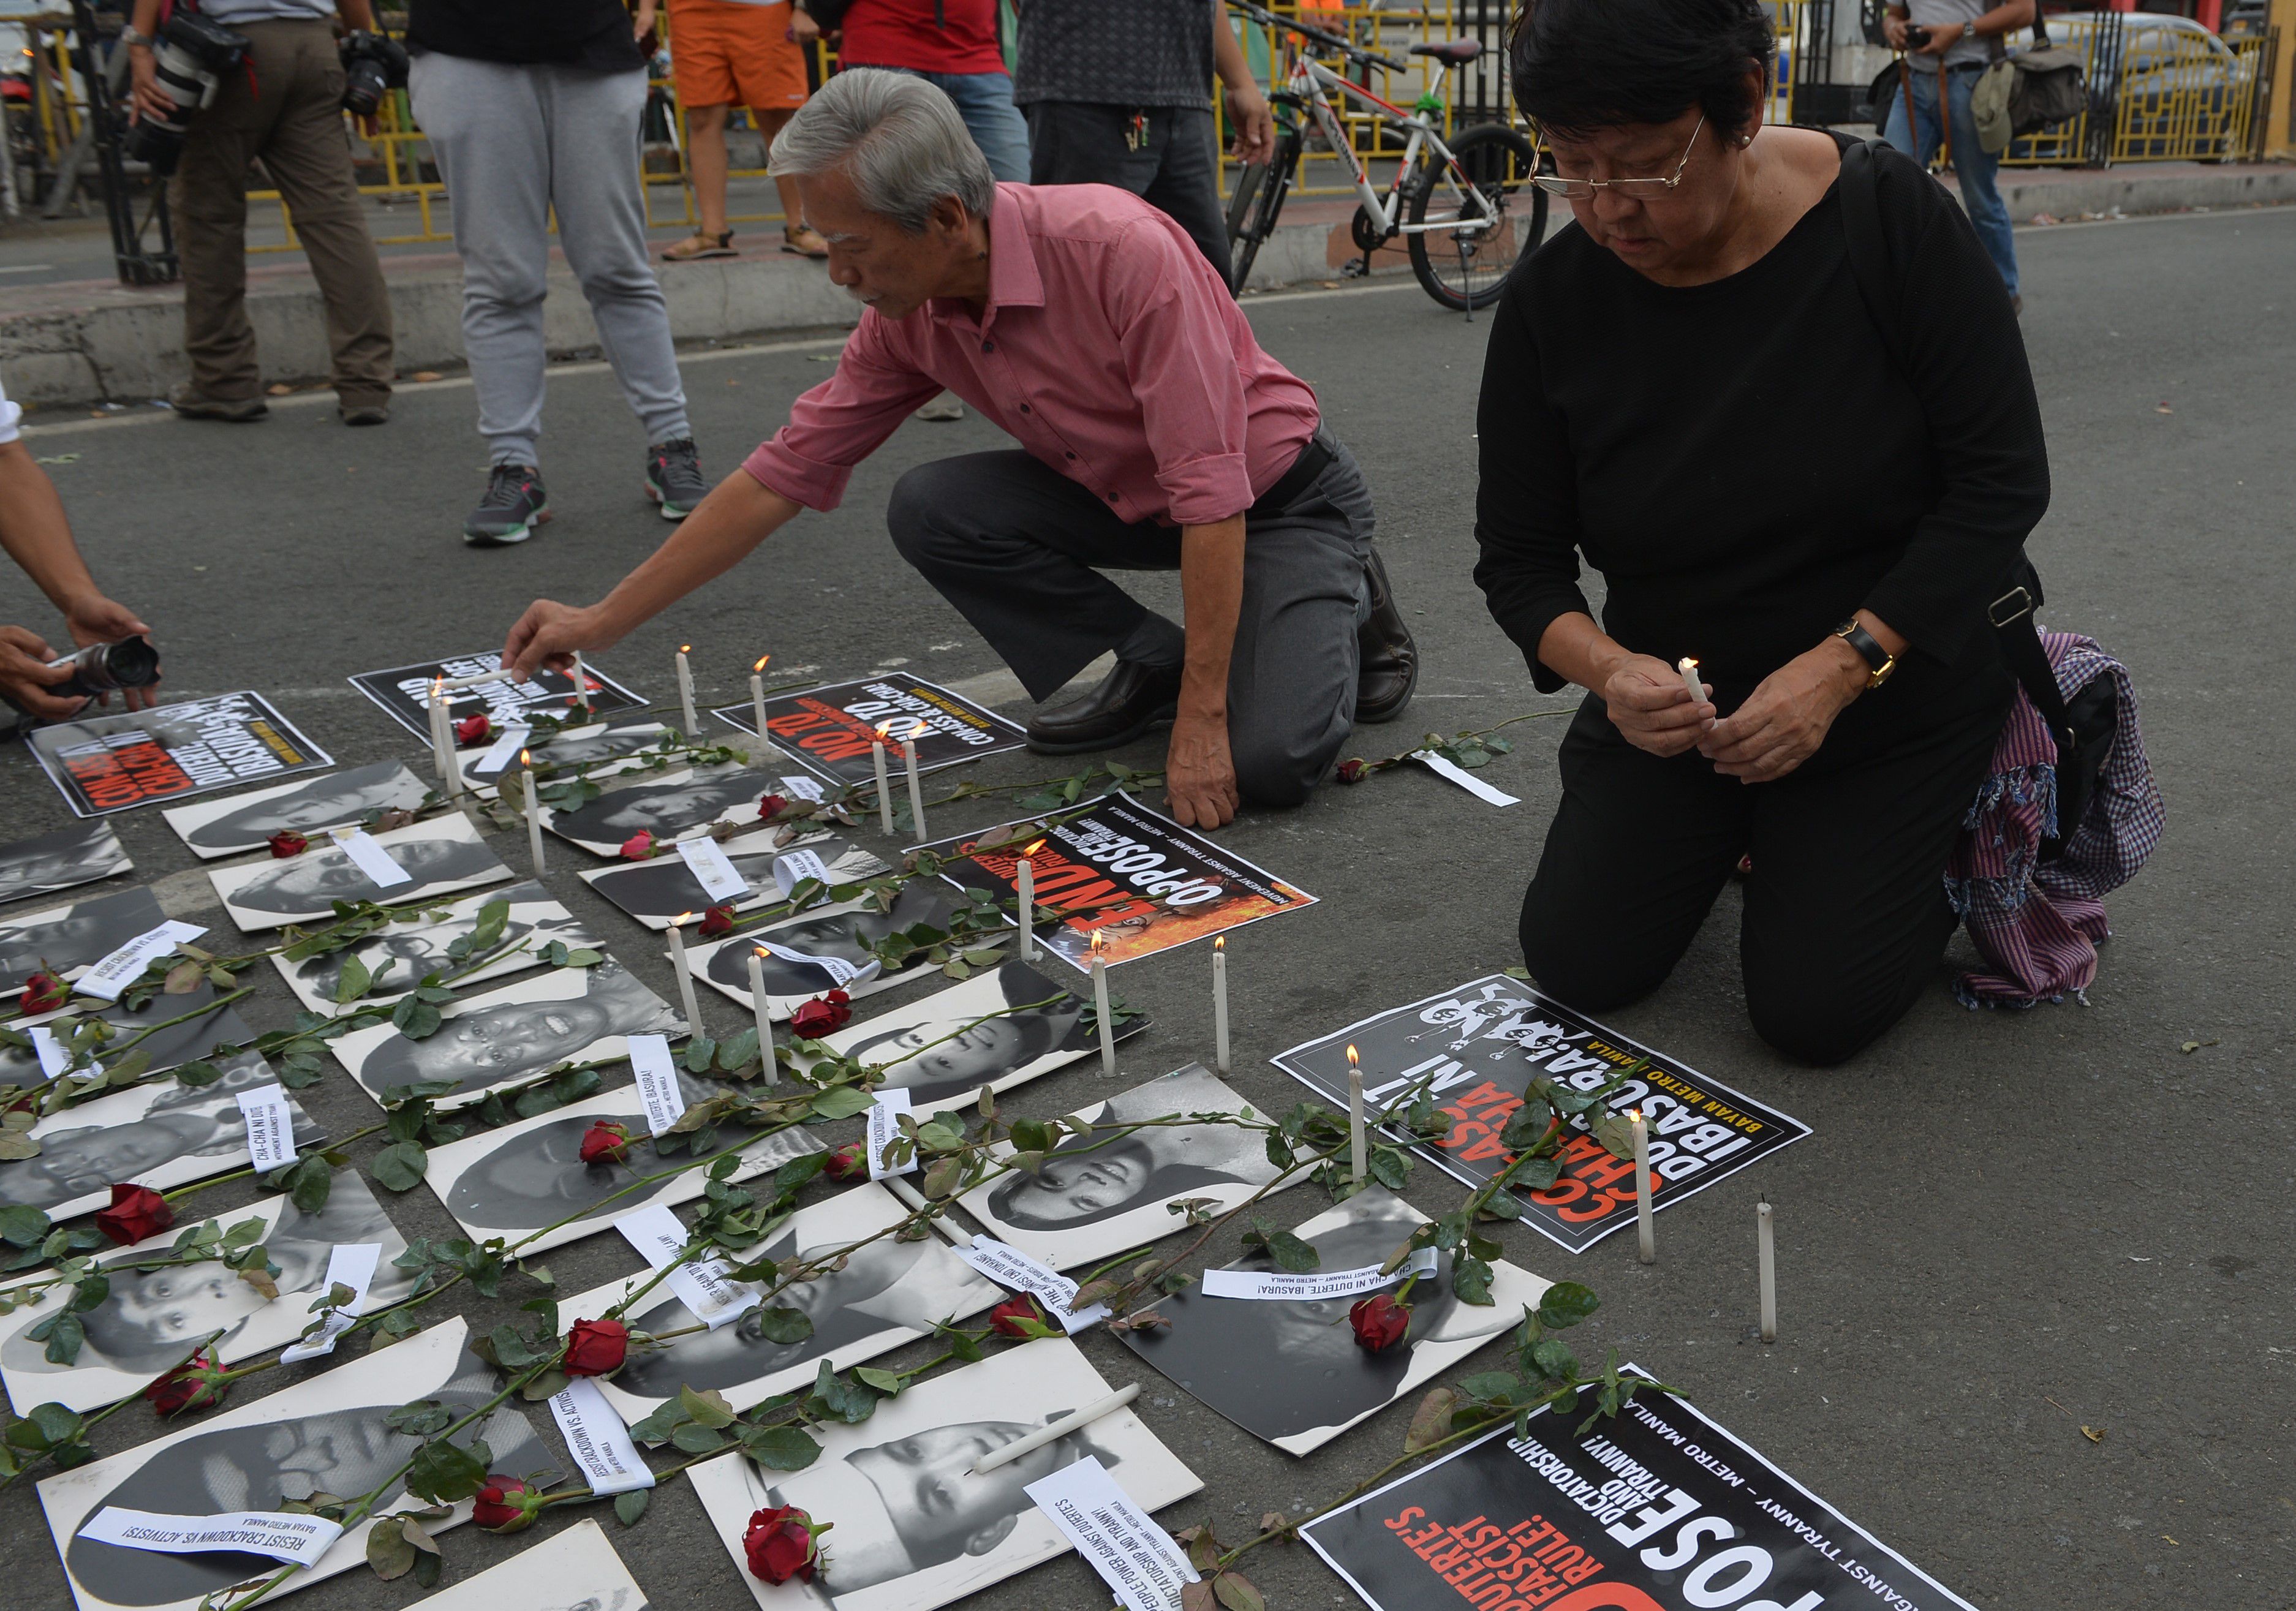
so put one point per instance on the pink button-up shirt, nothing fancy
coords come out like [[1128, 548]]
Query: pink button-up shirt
[[1108, 348]]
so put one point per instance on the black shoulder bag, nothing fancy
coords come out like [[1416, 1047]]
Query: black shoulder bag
[[2083, 726]]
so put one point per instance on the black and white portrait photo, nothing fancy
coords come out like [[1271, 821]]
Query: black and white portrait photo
[[576, 1570], [567, 1015], [63, 860], [842, 931], [443, 855], [999, 1028], [152, 1318], [1290, 1371], [887, 1293], [326, 1434], [65, 939], [159, 1135], [198, 1033], [675, 807], [625, 744], [1097, 1194], [915, 1528], [659, 891], [512, 1181], [246, 821], [398, 957]]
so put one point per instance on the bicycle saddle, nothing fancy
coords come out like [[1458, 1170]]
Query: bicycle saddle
[[1452, 53]]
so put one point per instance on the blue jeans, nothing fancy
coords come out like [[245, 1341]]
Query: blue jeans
[[985, 101], [1976, 167]]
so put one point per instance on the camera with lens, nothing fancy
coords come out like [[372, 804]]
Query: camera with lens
[[372, 64], [1916, 37], [106, 668], [189, 57]]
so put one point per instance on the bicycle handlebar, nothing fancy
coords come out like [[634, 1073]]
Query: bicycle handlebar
[[1347, 47]]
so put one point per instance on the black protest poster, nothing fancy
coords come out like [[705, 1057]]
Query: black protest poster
[[1478, 1046], [1655, 1508], [832, 729], [105, 763], [404, 694]]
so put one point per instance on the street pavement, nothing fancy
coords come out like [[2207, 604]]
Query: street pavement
[[2008, 1231]]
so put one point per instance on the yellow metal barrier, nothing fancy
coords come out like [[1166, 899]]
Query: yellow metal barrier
[[2159, 93]]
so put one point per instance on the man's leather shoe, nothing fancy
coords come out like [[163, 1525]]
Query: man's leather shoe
[[1128, 702], [1388, 667]]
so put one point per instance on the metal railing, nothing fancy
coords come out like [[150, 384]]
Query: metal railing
[[2156, 93]]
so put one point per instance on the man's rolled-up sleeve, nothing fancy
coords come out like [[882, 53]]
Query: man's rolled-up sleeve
[[842, 420], [1183, 370]]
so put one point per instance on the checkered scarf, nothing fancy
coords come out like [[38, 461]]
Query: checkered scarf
[[2037, 924]]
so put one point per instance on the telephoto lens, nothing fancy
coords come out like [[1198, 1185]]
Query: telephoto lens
[[102, 668], [372, 64], [189, 56]]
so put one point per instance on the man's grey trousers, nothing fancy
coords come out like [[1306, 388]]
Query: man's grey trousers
[[1019, 548]]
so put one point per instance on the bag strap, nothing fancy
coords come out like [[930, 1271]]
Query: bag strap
[[1882, 287]]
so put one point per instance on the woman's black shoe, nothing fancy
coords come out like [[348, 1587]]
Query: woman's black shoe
[[1128, 702], [1387, 660]]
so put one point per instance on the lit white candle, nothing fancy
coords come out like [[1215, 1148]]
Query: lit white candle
[[685, 693], [1100, 1005], [1767, 1256], [916, 787], [766, 751], [884, 784], [533, 810], [1688, 667], [685, 974], [581, 682], [442, 737], [763, 1006], [1358, 1156], [1028, 885], [1648, 1251], [1219, 1003]]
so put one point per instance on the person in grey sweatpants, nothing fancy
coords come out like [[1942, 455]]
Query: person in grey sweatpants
[[515, 141]]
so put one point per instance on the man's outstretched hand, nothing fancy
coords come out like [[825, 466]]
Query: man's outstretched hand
[[548, 636], [1200, 774], [26, 677], [97, 619]]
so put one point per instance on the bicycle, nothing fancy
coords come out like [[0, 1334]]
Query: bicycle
[[1470, 183]]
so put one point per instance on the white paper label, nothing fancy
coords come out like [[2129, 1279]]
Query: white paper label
[[504, 752], [797, 865], [373, 860], [125, 966], [54, 1056], [1008, 1267], [712, 868], [702, 1285], [665, 1103], [803, 789], [282, 1535], [1313, 1284], [348, 1264], [597, 1439], [884, 1125], [1135, 1557], [842, 973], [1464, 779], [270, 1127]]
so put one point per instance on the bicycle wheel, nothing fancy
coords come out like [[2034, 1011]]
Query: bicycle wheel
[[1467, 266], [1258, 201]]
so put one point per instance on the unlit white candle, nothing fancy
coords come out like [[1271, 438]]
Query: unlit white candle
[[1028, 910], [685, 975], [581, 682], [1766, 1257], [1648, 1251], [916, 788], [1060, 1428], [533, 813], [1219, 1005], [760, 1005], [1100, 1005], [686, 697], [884, 784]]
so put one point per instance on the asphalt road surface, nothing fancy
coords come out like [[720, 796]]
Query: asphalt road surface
[[2006, 1228]]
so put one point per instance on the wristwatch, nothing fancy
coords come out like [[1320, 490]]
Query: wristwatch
[[1880, 662], [129, 37]]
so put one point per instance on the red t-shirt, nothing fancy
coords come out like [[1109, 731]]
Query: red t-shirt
[[930, 36]]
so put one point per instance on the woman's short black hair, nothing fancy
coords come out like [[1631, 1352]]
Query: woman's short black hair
[[1587, 64]]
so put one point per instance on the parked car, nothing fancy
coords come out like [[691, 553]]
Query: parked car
[[2181, 91]]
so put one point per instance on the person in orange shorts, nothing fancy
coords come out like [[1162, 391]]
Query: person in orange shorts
[[726, 53]]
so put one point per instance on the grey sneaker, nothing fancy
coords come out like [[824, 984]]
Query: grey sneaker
[[197, 405], [513, 506], [673, 477]]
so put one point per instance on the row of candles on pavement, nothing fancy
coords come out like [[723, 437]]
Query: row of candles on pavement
[[443, 745]]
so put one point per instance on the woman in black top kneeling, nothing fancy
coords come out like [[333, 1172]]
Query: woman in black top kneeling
[[1690, 389]]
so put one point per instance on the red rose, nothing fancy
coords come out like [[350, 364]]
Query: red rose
[[469, 730], [639, 846], [718, 920], [136, 1212], [771, 806], [505, 1505], [848, 1163], [1380, 1321], [595, 1347], [287, 843], [822, 1015], [779, 1545], [1007, 1316], [193, 1384], [1353, 772], [44, 992], [605, 1141]]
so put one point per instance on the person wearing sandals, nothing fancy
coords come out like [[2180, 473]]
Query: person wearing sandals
[[726, 53]]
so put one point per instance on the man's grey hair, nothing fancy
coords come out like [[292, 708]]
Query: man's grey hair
[[897, 138]]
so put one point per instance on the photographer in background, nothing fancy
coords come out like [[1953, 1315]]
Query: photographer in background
[[1947, 43], [36, 535], [285, 104]]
